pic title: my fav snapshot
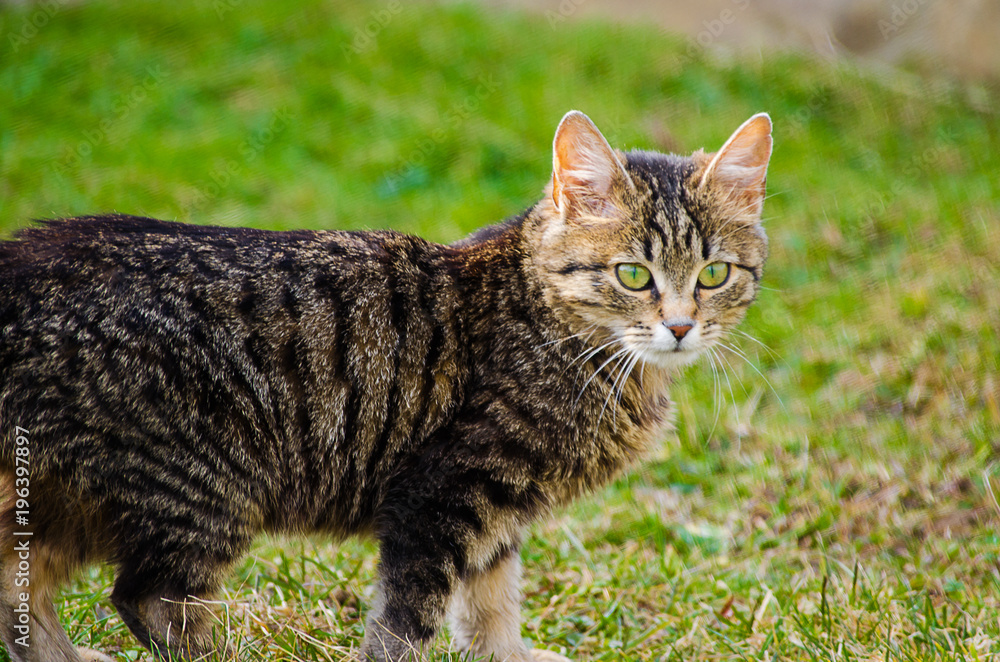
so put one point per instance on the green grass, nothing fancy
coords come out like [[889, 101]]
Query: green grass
[[832, 498]]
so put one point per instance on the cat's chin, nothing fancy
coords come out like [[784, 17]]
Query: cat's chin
[[671, 359]]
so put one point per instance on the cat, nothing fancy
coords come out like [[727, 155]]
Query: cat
[[175, 390]]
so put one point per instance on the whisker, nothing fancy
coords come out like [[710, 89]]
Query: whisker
[[597, 372], [635, 361], [735, 374], [716, 391], [622, 382], [729, 234], [768, 349], [735, 215], [746, 358], [590, 354], [589, 331], [725, 373], [587, 354], [620, 366]]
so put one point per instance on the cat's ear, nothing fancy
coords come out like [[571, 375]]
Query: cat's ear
[[584, 168], [739, 169]]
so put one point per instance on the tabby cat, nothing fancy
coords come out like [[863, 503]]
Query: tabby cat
[[181, 389]]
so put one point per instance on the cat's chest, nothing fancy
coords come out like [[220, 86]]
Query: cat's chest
[[644, 414], [616, 426]]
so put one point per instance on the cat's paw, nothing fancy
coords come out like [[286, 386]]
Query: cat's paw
[[539, 655], [90, 655]]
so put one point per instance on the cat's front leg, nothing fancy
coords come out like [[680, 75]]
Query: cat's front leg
[[418, 568], [402, 622], [486, 613]]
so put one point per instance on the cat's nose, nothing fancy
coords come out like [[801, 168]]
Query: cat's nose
[[679, 330]]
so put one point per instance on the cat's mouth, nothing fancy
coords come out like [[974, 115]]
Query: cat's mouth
[[675, 342], [661, 347], [677, 356]]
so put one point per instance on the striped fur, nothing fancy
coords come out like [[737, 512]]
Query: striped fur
[[188, 387]]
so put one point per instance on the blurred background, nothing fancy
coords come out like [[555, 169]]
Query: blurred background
[[957, 38], [831, 491]]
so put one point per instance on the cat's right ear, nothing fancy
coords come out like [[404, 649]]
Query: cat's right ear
[[584, 168], [739, 169]]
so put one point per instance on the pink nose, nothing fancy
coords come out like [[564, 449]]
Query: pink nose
[[680, 330]]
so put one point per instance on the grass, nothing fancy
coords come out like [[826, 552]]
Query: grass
[[832, 497]]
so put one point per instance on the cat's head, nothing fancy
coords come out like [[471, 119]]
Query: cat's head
[[660, 253]]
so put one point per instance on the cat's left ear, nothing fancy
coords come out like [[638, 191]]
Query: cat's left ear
[[585, 168], [739, 169]]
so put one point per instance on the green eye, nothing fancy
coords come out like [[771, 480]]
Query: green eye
[[634, 276], [714, 275]]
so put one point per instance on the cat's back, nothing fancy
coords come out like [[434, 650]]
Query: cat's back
[[101, 282], [118, 260], [68, 251], [283, 352]]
